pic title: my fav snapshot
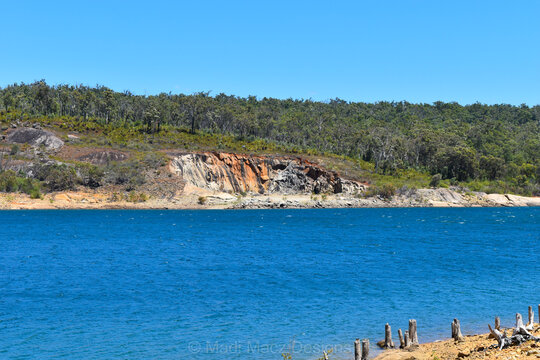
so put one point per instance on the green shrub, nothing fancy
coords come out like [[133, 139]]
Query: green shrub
[[128, 174], [11, 182], [14, 149], [56, 177], [386, 191], [435, 180], [90, 175]]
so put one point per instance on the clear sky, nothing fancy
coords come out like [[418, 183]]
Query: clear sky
[[419, 51]]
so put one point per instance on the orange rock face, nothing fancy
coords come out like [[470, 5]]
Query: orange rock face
[[259, 174]]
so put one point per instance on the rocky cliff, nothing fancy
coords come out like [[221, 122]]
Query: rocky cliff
[[239, 173]]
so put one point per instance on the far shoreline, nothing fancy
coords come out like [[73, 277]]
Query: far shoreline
[[205, 200]]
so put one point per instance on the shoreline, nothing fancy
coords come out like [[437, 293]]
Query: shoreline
[[200, 199], [480, 346]]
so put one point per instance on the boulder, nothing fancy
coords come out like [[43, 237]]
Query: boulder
[[35, 137]]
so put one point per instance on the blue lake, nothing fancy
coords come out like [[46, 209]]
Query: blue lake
[[247, 284]]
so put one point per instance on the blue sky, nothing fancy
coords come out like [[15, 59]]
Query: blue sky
[[419, 51]]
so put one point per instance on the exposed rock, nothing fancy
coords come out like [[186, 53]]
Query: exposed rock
[[103, 157], [73, 138], [512, 200], [258, 174], [35, 137]]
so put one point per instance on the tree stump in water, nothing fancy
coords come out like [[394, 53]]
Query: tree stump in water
[[388, 343], [456, 331], [413, 336], [357, 350], [401, 340], [407, 339], [365, 349]]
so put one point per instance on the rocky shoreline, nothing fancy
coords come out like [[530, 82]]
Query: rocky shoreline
[[196, 198], [201, 180]]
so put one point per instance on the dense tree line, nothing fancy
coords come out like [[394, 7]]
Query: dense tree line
[[459, 142]]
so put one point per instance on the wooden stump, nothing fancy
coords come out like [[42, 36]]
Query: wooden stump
[[365, 349], [413, 336], [407, 339], [530, 324], [357, 350], [401, 340], [497, 327], [388, 343], [520, 328], [497, 323], [456, 331]]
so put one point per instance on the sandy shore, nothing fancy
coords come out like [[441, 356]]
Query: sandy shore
[[473, 347]]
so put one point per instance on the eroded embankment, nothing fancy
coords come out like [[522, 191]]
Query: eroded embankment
[[237, 173]]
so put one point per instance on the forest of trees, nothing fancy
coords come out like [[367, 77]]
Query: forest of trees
[[458, 142]]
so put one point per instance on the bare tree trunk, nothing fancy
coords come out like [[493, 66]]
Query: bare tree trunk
[[456, 331], [388, 343], [520, 328], [412, 332], [501, 338], [357, 350], [365, 349], [530, 324], [401, 340], [407, 339]]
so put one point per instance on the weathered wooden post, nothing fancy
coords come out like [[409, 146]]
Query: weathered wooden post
[[412, 332], [497, 323], [531, 316], [365, 349], [357, 350], [407, 339], [388, 343], [519, 321], [401, 340], [456, 331]]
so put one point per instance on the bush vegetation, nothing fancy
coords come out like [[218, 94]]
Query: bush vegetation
[[11, 182], [483, 147]]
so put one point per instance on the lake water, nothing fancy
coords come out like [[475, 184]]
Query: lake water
[[247, 284]]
